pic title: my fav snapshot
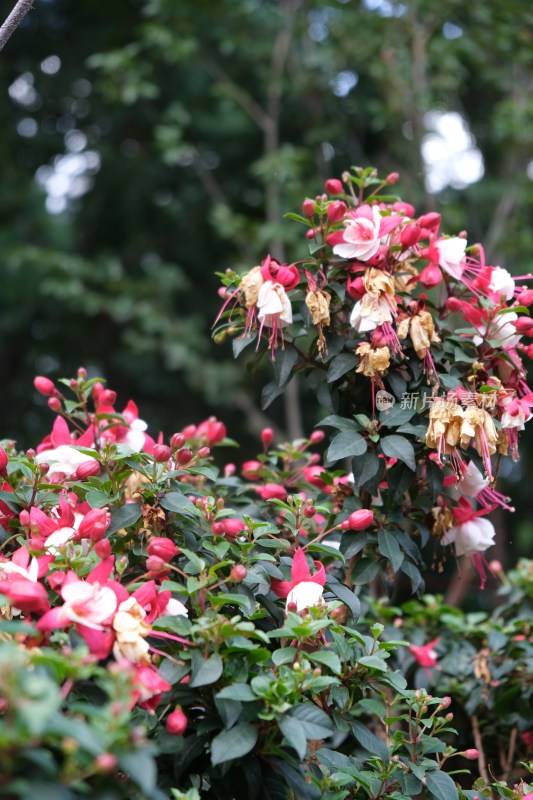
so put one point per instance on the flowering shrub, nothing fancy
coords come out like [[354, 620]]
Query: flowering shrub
[[174, 628], [414, 344]]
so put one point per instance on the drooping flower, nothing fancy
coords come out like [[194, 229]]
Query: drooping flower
[[425, 654], [304, 589], [274, 311], [449, 255], [471, 535]]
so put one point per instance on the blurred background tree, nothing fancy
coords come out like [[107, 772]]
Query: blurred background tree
[[148, 144]]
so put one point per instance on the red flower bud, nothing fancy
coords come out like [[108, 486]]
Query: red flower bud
[[471, 753], [161, 453], [308, 208], [271, 491], [177, 440], [392, 178], [107, 398], [312, 233], [337, 211], [333, 186], [238, 573], [524, 326], [176, 723], [54, 404], [203, 452], [233, 526], [189, 431], [429, 221], [97, 390], [218, 528], [317, 437], [216, 432], [162, 547], [309, 512], [82, 373], [525, 297], [103, 548], [94, 524], [454, 305], [156, 564], [105, 762], [528, 350], [3, 460], [267, 434], [251, 470], [229, 470], [430, 276], [184, 456], [410, 234], [358, 520], [355, 288], [87, 469], [44, 386]]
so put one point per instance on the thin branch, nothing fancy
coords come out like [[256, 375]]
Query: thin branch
[[13, 21], [482, 764]]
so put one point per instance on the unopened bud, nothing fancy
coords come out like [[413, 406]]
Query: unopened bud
[[177, 440], [44, 386], [162, 547], [184, 456], [309, 512], [82, 373], [336, 211], [156, 564], [176, 723], [471, 753], [238, 573], [267, 434], [454, 305], [358, 520], [218, 528], [189, 431], [161, 453], [430, 276], [392, 178], [3, 460], [317, 437], [308, 208], [333, 186], [524, 326], [105, 762], [103, 548], [54, 404], [203, 452], [229, 470], [449, 717], [87, 469], [30, 454], [107, 398]]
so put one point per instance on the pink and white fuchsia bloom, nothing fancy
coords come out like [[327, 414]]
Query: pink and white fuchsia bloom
[[303, 590], [363, 232], [471, 535]]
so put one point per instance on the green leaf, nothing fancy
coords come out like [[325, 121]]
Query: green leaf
[[328, 658], [341, 423], [209, 671], [346, 596], [373, 662], [399, 447], [314, 722], [412, 572], [237, 691], [123, 517], [365, 467], [388, 546], [234, 743], [369, 741], [294, 733], [269, 393], [441, 786], [345, 445], [179, 503], [285, 361], [364, 571], [241, 342], [140, 766], [340, 365]]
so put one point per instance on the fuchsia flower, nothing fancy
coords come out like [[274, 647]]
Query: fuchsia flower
[[471, 535], [303, 589], [19, 581], [362, 234], [449, 254], [425, 654], [62, 456]]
